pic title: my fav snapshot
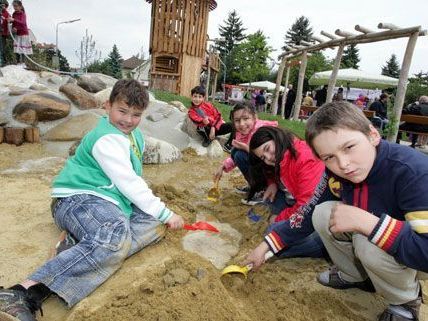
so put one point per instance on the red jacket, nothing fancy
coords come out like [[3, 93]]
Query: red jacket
[[197, 114], [300, 176], [4, 29], [20, 23]]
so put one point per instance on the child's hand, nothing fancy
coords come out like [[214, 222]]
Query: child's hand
[[206, 120], [218, 174], [346, 218], [257, 256], [212, 133], [270, 192], [240, 145], [175, 222]]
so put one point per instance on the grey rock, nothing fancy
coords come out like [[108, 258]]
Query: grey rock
[[159, 152], [91, 83], [73, 129], [80, 97]]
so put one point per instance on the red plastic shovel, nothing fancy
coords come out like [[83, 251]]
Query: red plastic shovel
[[201, 225]]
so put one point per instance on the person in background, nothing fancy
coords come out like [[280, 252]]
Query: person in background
[[261, 102], [291, 97], [417, 108], [307, 100], [321, 95], [22, 44], [4, 31], [380, 107], [339, 95]]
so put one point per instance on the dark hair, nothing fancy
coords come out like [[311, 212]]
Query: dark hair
[[19, 3], [259, 171], [241, 106], [383, 96], [198, 90], [335, 115], [131, 92]]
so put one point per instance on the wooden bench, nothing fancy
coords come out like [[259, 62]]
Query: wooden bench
[[414, 119], [304, 110]]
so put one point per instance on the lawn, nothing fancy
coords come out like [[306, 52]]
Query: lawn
[[297, 127]]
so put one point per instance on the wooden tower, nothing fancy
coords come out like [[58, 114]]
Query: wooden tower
[[178, 41]]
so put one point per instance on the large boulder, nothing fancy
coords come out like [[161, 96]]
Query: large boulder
[[80, 97], [41, 107], [159, 152], [190, 128], [103, 95], [109, 81], [179, 105], [16, 76], [91, 83], [73, 129], [3, 119]]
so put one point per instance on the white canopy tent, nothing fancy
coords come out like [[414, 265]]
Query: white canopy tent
[[262, 84], [354, 78]]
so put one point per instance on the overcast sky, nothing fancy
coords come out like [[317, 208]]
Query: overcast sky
[[126, 23]]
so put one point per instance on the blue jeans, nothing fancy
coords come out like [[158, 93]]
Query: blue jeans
[[106, 238], [310, 246], [241, 159]]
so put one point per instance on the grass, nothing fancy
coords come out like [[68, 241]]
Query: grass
[[297, 127]]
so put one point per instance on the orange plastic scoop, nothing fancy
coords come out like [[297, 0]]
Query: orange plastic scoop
[[201, 225], [214, 192]]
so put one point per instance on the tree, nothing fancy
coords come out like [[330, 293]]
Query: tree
[[300, 30], [350, 58], [250, 59], [392, 68], [114, 61], [44, 58], [87, 52], [418, 86]]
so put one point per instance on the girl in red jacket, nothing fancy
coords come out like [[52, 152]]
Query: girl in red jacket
[[22, 43], [284, 166]]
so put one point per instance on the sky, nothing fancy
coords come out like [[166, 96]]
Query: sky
[[126, 23]]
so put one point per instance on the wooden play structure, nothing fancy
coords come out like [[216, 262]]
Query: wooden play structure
[[178, 42], [341, 39]]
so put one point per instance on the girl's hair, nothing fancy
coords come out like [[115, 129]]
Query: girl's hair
[[259, 170], [241, 106], [19, 3]]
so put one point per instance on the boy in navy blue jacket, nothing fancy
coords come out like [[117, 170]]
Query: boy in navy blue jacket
[[370, 210]]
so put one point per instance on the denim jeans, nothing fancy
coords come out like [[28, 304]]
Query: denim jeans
[[105, 239], [310, 246], [241, 159]]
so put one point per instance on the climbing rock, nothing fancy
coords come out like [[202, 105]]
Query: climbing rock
[[157, 151], [80, 97], [73, 129], [91, 83]]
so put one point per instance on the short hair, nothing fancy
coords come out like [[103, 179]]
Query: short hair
[[423, 100], [131, 92], [335, 115], [198, 90], [383, 96]]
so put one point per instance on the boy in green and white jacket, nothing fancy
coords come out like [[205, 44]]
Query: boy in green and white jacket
[[102, 201]]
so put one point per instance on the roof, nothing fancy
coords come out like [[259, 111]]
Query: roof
[[213, 4], [132, 63]]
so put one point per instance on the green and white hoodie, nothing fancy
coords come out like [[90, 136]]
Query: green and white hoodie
[[108, 164]]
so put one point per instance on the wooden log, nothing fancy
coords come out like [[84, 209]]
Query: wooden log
[[1, 134], [279, 77], [401, 87], [390, 26], [344, 33], [284, 96], [14, 135], [306, 43], [32, 135], [317, 39], [332, 80], [328, 35], [363, 29], [298, 101]]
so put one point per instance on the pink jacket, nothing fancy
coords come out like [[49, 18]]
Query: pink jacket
[[20, 23], [228, 163], [300, 176]]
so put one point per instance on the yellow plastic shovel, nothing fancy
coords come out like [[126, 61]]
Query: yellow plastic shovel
[[243, 269]]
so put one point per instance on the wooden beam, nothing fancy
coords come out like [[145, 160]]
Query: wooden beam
[[298, 101], [284, 95], [401, 88], [363, 29], [332, 80], [328, 35], [344, 33], [278, 86], [317, 39], [306, 43], [390, 26]]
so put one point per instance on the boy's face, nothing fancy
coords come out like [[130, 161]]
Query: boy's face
[[123, 117], [348, 153], [197, 99]]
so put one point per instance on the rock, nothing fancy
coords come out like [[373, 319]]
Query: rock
[[109, 81], [17, 92], [176, 276], [160, 113], [80, 97], [46, 74], [3, 119], [73, 128], [14, 75], [190, 128], [103, 95], [72, 149], [41, 107], [159, 152], [179, 105], [91, 83], [38, 87], [201, 273], [215, 150], [56, 80]]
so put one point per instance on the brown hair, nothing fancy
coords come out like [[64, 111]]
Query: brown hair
[[130, 92], [335, 115]]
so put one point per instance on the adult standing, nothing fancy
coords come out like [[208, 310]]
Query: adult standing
[[4, 30], [291, 97], [381, 108], [321, 95], [22, 44], [260, 101]]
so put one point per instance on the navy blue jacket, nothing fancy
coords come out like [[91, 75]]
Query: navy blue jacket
[[396, 191]]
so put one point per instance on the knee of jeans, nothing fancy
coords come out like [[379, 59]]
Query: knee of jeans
[[114, 236], [240, 156], [321, 217]]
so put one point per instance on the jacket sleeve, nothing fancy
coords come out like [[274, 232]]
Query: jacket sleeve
[[195, 117], [299, 225], [308, 176], [406, 240], [228, 164], [19, 21], [217, 116]]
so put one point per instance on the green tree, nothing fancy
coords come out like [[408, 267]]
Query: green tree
[[233, 33], [351, 57], [391, 68], [300, 30], [114, 61], [250, 63], [100, 67], [63, 62], [418, 86], [44, 58]]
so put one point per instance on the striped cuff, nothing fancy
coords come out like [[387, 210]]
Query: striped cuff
[[165, 215], [274, 241], [386, 232]]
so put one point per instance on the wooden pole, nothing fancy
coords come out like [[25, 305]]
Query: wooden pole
[[278, 86], [284, 95], [208, 74], [332, 80], [214, 86], [401, 88], [298, 101]]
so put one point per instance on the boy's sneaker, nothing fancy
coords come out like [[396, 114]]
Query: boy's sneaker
[[15, 305], [206, 142], [227, 148], [333, 279], [243, 189], [256, 199], [403, 312]]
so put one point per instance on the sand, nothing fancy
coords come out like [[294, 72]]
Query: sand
[[164, 282]]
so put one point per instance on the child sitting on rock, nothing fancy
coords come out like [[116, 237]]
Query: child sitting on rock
[[102, 201], [208, 119]]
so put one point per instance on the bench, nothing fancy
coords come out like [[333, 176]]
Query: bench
[[304, 110], [414, 119]]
